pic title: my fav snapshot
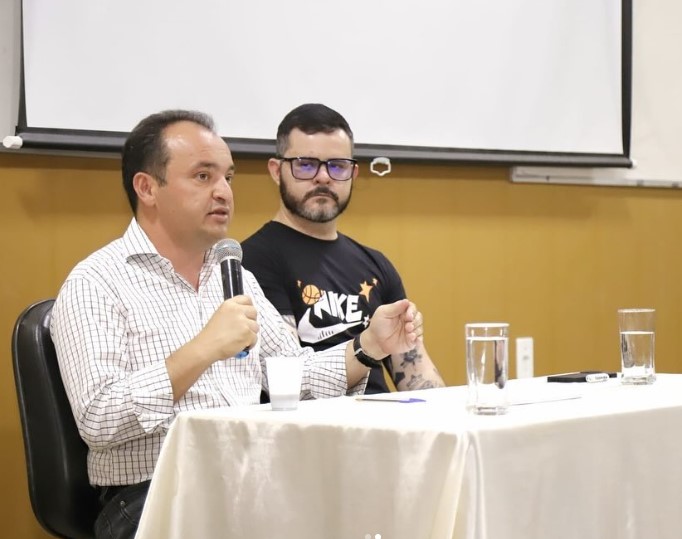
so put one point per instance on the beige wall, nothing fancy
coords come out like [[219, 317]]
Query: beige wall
[[554, 261]]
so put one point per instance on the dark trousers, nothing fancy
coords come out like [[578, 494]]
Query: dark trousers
[[121, 511]]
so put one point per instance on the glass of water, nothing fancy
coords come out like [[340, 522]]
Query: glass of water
[[487, 357], [637, 345]]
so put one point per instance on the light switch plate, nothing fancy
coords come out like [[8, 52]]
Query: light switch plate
[[524, 357]]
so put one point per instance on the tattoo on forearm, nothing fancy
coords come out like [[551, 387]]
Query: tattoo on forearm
[[411, 359], [417, 381]]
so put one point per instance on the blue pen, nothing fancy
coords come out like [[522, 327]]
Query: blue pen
[[379, 399]]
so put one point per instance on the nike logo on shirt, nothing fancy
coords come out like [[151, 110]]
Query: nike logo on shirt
[[309, 333]]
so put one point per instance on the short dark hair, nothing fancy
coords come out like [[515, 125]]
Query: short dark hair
[[145, 148], [310, 118]]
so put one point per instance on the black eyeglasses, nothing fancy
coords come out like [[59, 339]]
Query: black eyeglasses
[[306, 168]]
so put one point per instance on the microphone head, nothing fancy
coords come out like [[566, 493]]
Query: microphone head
[[228, 248]]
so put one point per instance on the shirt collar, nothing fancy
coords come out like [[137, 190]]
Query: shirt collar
[[136, 242]]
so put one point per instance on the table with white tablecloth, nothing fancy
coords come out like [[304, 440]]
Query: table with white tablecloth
[[588, 461]]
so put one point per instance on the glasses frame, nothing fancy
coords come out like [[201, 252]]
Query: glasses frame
[[320, 162]]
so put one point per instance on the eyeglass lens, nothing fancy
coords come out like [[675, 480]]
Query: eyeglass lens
[[306, 168]]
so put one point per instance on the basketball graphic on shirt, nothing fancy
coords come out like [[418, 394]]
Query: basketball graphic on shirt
[[310, 294]]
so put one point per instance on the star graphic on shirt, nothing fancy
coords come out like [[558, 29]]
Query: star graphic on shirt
[[375, 281], [365, 321], [365, 289]]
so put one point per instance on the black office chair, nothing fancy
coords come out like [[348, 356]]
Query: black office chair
[[62, 499]]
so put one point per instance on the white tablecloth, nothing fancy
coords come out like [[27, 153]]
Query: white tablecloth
[[606, 462]]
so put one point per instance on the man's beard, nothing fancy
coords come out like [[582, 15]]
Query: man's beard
[[317, 214]]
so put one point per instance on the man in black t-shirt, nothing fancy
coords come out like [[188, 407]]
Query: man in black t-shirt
[[326, 285]]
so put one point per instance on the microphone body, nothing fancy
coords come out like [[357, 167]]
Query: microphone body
[[230, 255], [231, 270]]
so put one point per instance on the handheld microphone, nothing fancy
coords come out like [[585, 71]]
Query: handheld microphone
[[229, 252]]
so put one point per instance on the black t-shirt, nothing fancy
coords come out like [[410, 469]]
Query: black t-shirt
[[331, 287]]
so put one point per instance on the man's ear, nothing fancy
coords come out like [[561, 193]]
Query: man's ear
[[145, 186], [275, 167]]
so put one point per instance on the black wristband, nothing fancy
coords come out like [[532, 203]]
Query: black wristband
[[362, 357]]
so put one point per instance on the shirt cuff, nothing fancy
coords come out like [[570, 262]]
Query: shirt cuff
[[152, 396]]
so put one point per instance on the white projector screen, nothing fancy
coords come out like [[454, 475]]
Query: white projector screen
[[519, 81]]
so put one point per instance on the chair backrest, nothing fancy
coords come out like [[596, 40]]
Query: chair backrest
[[62, 499]]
